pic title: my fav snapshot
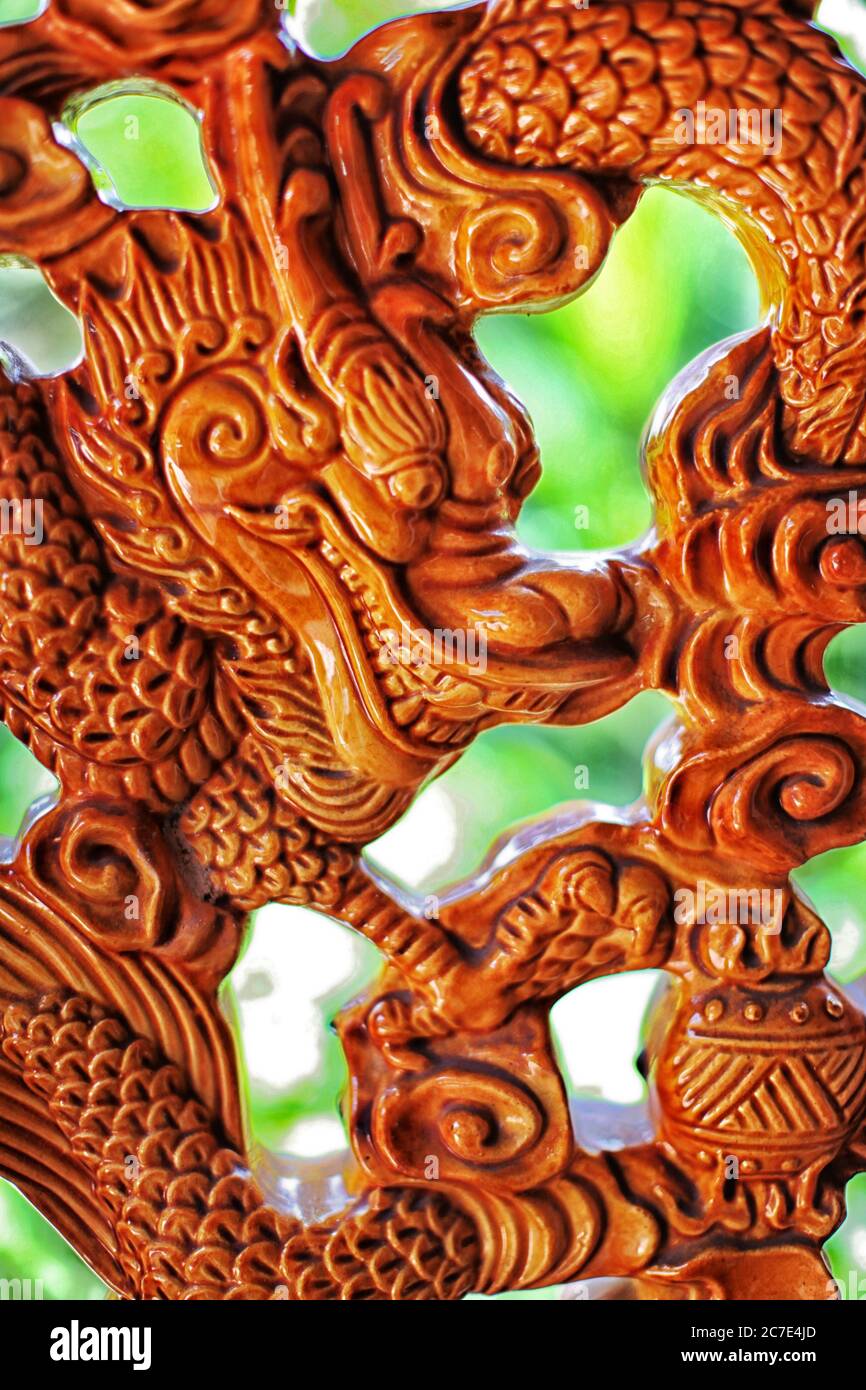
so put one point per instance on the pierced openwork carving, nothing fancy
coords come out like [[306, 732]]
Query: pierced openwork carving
[[315, 458]]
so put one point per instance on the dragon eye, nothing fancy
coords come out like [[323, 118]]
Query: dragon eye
[[419, 485]]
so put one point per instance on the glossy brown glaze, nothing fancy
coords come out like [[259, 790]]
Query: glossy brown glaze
[[315, 458]]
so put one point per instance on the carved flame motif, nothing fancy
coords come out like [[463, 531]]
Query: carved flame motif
[[282, 493]]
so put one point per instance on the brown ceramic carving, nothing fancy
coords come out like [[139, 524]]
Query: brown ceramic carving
[[283, 496]]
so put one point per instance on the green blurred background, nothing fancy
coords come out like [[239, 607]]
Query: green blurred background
[[590, 374]]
